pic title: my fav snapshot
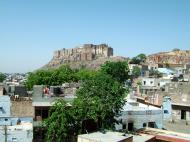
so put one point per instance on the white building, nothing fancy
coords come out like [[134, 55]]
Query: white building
[[17, 133], [153, 84], [150, 82], [136, 115]]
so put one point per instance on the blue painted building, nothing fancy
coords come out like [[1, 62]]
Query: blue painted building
[[5, 114], [13, 128], [167, 108]]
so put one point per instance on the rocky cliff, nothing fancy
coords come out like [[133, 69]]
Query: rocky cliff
[[89, 55], [172, 57]]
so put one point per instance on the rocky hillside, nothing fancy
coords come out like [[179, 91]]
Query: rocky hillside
[[172, 57], [88, 55]]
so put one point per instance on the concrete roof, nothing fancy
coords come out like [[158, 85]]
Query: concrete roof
[[167, 134], [180, 99], [107, 137], [140, 107], [142, 137], [165, 70]]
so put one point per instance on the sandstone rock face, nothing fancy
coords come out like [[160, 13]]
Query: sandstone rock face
[[89, 55], [173, 57]]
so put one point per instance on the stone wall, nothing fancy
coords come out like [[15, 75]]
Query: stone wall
[[176, 112], [22, 109]]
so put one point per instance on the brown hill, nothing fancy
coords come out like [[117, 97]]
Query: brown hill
[[172, 57]]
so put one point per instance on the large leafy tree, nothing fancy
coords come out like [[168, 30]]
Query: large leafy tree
[[99, 99], [2, 77], [103, 97], [58, 76], [51, 77], [117, 70], [62, 75], [62, 125], [40, 77], [84, 74]]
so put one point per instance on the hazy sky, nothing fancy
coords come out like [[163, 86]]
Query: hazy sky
[[30, 30]]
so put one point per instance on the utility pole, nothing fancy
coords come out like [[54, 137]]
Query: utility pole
[[5, 129]]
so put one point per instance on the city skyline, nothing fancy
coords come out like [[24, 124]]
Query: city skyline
[[30, 31]]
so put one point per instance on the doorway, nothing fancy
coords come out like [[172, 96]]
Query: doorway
[[183, 114], [151, 124], [130, 126]]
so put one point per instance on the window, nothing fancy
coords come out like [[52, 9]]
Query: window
[[124, 126], [144, 82], [144, 124], [151, 82], [6, 119], [14, 140], [166, 111], [151, 124], [1, 110]]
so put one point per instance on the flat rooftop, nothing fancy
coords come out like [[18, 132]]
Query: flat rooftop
[[142, 137], [181, 126], [107, 137], [166, 135], [139, 107]]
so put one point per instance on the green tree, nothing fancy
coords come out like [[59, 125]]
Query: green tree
[[103, 97], [139, 82], [99, 99], [2, 77], [62, 124], [117, 70], [40, 77], [84, 74], [141, 58], [136, 72], [62, 74], [51, 77]]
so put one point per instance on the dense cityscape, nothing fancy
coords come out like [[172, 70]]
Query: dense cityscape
[[129, 99], [94, 71]]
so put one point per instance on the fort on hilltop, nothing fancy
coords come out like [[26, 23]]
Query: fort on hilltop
[[86, 52]]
